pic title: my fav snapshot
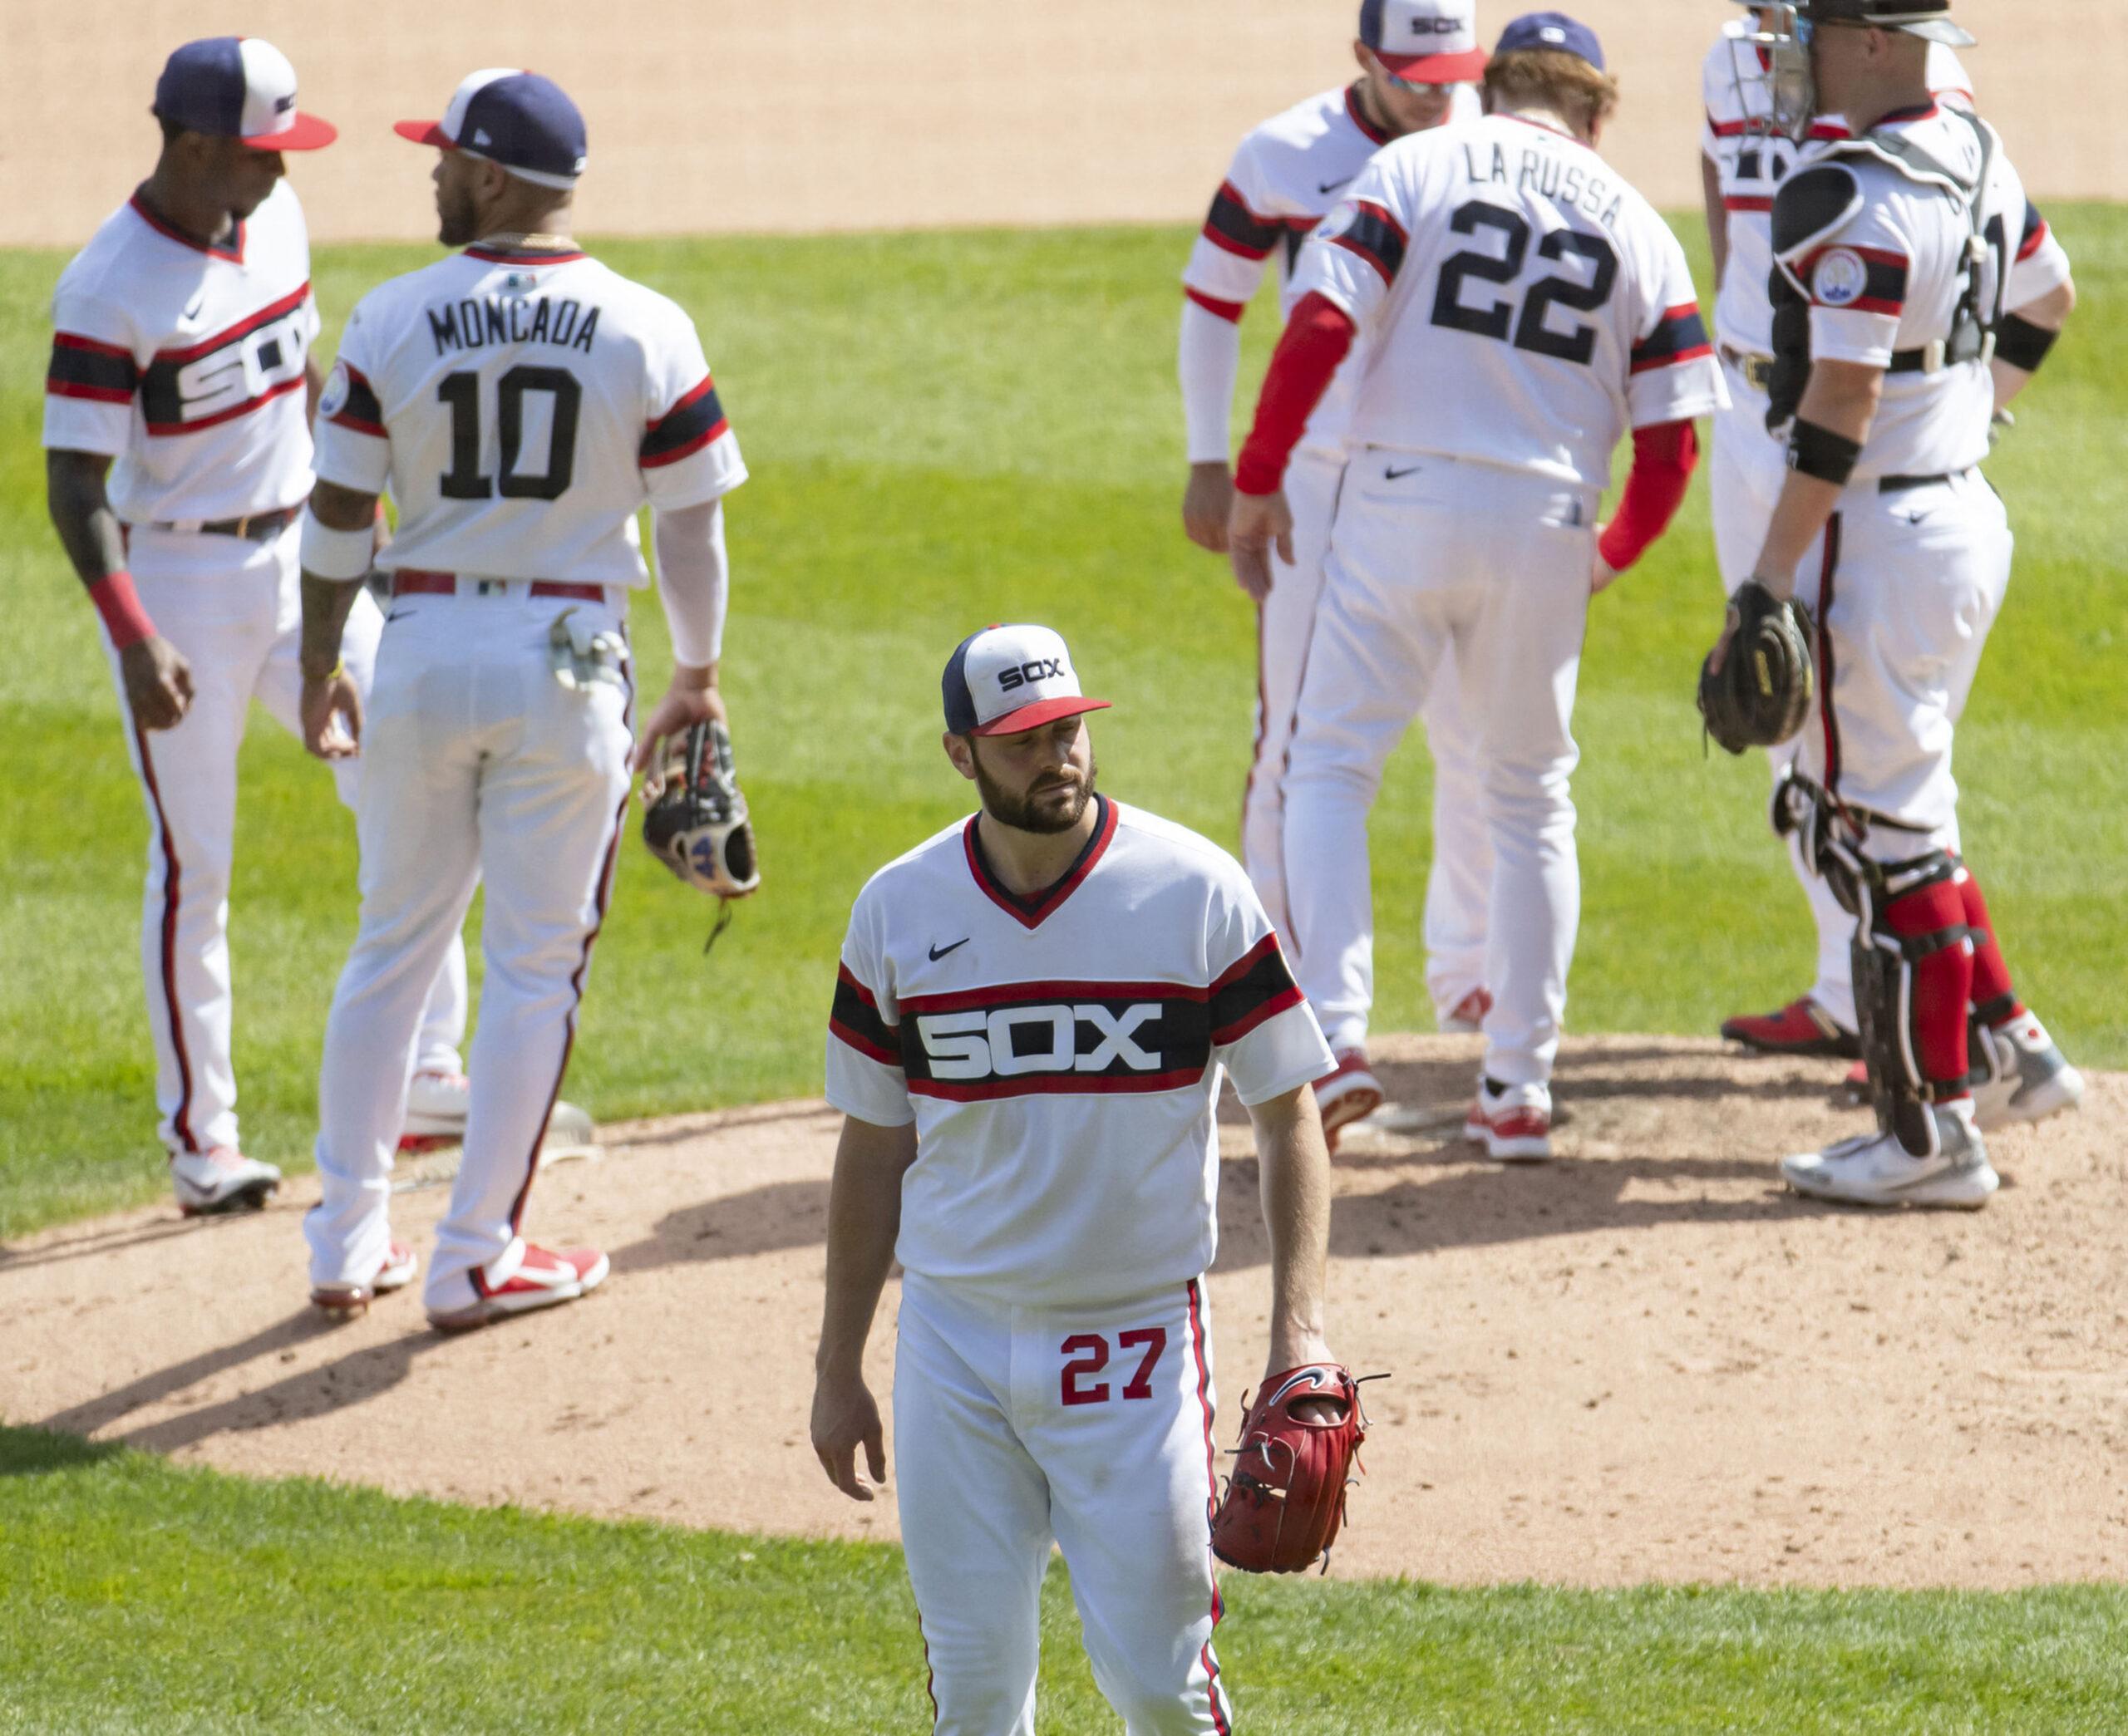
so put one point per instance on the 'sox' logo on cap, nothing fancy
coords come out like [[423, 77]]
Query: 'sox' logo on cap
[[1040, 669]]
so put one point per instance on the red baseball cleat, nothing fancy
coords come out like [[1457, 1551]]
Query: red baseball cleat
[[1347, 1093], [1802, 1027], [401, 1263], [1515, 1124], [1468, 1018], [542, 1280]]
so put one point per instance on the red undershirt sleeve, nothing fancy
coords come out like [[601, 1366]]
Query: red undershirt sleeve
[[1663, 456], [1314, 343]]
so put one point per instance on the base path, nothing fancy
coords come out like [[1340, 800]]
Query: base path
[[1646, 1361]]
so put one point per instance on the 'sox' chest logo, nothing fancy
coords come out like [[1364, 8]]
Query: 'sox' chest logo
[[1008, 1042]]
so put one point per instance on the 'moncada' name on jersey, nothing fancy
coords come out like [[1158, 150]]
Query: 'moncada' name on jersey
[[1286, 174], [1061, 1058], [1752, 161], [1881, 258], [186, 363], [522, 405], [1520, 304]]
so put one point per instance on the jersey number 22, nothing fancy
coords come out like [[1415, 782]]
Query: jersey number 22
[[1496, 319]]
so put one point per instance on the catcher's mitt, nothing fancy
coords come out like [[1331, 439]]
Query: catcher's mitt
[[697, 825], [1285, 1499], [1762, 691]]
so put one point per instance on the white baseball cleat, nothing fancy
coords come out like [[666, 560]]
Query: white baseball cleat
[[401, 1263], [1514, 1123], [2033, 1078], [1350, 1092], [542, 1280], [436, 1104], [1875, 1169], [1467, 1017], [220, 1179]]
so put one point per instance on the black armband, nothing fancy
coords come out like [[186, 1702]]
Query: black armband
[[1818, 452], [2021, 344]]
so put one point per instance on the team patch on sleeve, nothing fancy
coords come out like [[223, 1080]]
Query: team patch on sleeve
[[1368, 229], [81, 367], [1856, 279], [1257, 987], [1232, 225], [350, 402], [1679, 336], [689, 426], [855, 1020]]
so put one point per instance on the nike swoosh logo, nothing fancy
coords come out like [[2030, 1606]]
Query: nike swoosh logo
[[939, 953], [199, 301], [1332, 186], [396, 615], [1408, 470]]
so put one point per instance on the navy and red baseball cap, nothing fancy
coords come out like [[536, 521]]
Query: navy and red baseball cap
[[1006, 679], [237, 88], [1552, 30], [520, 120], [1425, 42]]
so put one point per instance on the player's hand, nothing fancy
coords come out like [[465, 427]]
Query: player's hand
[[331, 711], [158, 683], [1258, 525], [692, 698], [845, 1417], [1206, 505], [1601, 572]]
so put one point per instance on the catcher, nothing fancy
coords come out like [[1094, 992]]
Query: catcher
[[1034, 1013]]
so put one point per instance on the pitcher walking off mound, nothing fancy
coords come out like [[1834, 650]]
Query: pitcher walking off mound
[[1521, 306], [522, 401], [1031, 1019]]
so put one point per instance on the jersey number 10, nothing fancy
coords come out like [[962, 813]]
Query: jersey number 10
[[462, 391], [1533, 331]]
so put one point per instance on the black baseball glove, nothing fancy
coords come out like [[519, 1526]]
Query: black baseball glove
[[697, 825], [1760, 694]]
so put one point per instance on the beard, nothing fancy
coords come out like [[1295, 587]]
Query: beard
[[1056, 803], [455, 221]]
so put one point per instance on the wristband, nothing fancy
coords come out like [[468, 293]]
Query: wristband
[[2021, 344], [342, 556], [123, 617], [1817, 451]]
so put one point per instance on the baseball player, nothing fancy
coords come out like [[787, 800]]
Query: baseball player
[[1917, 290], [1744, 160], [1032, 1017], [1417, 60], [178, 454], [521, 401], [1520, 306]]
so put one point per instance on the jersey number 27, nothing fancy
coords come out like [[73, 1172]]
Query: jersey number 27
[[462, 391], [1534, 329]]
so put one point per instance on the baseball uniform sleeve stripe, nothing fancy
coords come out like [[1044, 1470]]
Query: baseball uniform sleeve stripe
[[689, 426], [1256, 986], [1679, 336], [361, 412], [1232, 225], [82, 368], [1883, 290], [2035, 234], [1376, 237], [1230, 311], [1748, 201], [855, 1020], [1727, 128]]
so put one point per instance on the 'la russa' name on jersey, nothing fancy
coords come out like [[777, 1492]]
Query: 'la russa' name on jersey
[[1551, 174], [1018, 1038], [474, 322]]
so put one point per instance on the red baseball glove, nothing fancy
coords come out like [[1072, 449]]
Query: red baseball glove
[[1285, 1499]]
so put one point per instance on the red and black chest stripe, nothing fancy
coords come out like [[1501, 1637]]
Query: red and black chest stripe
[[231, 373]]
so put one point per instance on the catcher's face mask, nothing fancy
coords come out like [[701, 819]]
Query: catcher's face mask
[[1771, 64]]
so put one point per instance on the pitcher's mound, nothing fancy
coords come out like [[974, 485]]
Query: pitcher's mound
[[1644, 1361]]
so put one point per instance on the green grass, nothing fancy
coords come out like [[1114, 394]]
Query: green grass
[[137, 1597], [950, 429]]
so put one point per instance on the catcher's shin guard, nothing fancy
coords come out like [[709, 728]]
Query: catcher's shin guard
[[1801, 806], [1912, 975]]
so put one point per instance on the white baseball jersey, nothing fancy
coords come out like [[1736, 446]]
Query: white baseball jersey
[[1285, 176], [522, 406], [1520, 304], [1060, 1057], [1887, 276], [1753, 160], [185, 363]]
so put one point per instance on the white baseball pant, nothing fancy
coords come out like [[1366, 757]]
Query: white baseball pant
[[480, 767], [1906, 586], [1091, 1426], [1460, 878], [1744, 476], [233, 609], [1433, 562]]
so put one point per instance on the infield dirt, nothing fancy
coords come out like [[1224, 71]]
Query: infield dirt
[[1645, 1361]]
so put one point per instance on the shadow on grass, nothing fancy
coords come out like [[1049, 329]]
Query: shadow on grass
[[36, 1451]]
